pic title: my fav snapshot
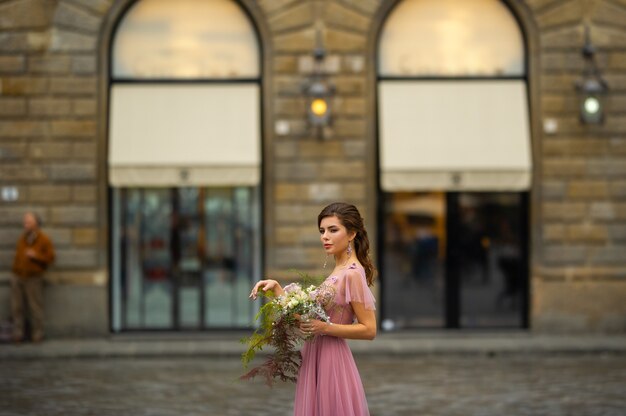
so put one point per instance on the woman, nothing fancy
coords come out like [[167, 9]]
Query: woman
[[328, 380]]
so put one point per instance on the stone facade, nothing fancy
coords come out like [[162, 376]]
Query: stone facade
[[48, 151], [53, 121], [578, 255]]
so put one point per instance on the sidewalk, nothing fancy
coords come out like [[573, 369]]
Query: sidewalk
[[398, 343]]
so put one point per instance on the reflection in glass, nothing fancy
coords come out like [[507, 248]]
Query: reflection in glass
[[189, 307], [157, 259], [414, 260], [186, 232], [490, 259], [185, 39], [220, 262], [451, 38], [453, 259], [187, 257], [147, 261], [245, 235]]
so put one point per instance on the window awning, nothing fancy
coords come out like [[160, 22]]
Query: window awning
[[184, 135], [454, 135]]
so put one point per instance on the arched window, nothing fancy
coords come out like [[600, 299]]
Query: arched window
[[451, 38], [453, 97], [193, 39], [184, 101], [184, 165], [455, 164]]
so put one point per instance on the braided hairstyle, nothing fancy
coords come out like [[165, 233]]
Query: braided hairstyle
[[350, 218]]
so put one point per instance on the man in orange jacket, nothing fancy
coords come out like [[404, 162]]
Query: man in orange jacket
[[34, 253]]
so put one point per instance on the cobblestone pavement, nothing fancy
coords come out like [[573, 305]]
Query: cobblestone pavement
[[423, 385]]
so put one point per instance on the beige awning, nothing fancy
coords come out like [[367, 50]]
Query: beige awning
[[184, 135], [454, 135]]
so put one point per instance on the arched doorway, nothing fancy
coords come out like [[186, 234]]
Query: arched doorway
[[455, 165], [184, 165]]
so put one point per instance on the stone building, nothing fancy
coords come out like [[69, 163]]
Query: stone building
[[169, 149]]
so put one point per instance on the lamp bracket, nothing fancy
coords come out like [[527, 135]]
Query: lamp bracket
[[319, 54], [588, 49]]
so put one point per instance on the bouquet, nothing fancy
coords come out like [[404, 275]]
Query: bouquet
[[279, 328]]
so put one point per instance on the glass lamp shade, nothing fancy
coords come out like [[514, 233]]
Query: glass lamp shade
[[319, 112], [319, 107], [591, 109], [318, 103], [591, 98]]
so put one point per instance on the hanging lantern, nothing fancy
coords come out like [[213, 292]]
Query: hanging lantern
[[318, 93], [591, 88]]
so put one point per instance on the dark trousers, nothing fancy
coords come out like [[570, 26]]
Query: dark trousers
[[27, 300]]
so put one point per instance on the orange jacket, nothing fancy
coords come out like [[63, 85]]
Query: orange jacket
[[25, 266]]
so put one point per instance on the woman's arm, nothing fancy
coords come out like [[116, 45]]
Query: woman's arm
[[265, 285], [365, 328]]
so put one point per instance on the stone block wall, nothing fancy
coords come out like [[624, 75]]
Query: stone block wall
[[579, 265], [53, 62], [308, 172], [48, 151]]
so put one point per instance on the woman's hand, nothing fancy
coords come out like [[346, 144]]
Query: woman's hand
[[265, 285], [313, 326]]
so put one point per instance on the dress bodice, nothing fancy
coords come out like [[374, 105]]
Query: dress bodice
[[348, 286]]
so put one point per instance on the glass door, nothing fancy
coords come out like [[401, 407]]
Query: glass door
[[230, 244], [184, 258], [187, 250], [454, 260], [145, 267], [413, 261], [490, 258]]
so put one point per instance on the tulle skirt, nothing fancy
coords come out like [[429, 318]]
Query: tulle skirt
[[329, 383]]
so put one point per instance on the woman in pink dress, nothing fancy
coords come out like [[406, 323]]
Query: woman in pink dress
[[328, 381]]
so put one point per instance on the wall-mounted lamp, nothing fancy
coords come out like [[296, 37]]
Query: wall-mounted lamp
[[591, 88], [319, 93]]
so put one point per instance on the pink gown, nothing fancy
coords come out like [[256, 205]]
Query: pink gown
[[329, 383]]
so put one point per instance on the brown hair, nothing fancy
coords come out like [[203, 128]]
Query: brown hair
[[350, 217]]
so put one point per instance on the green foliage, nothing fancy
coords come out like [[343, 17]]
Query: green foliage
[[275, 331], [307, 280], [278, 330], [262, 336]]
